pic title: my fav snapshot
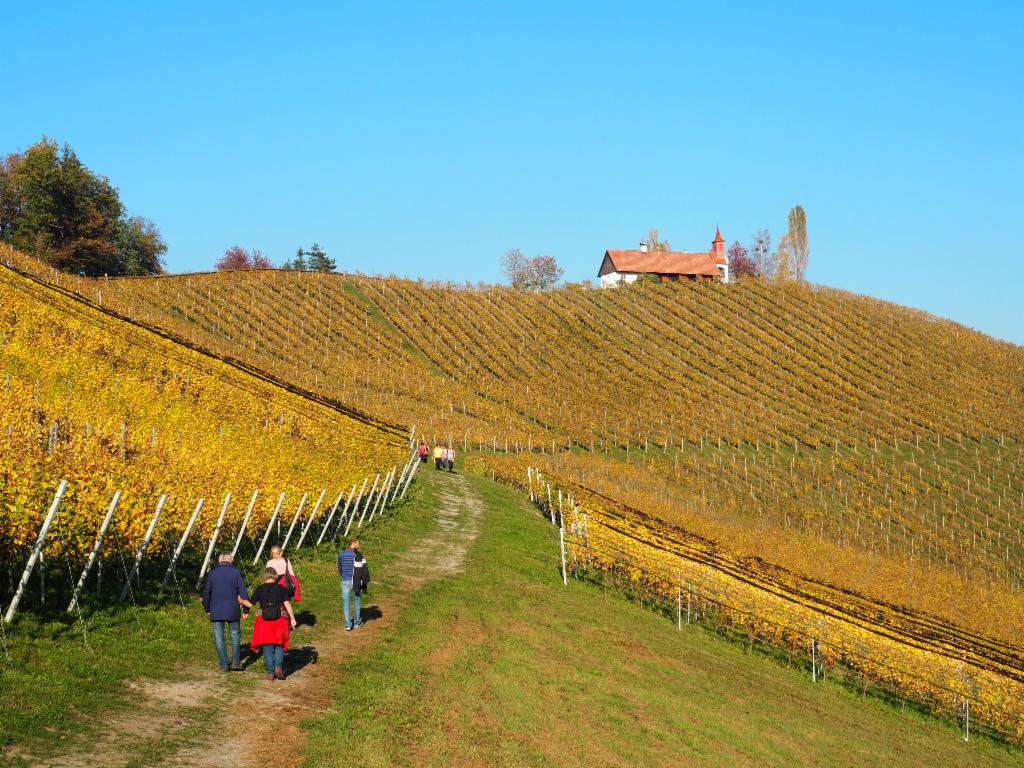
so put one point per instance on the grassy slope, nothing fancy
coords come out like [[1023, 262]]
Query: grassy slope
[[502, 665]]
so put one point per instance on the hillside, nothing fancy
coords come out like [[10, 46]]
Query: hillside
[[870, 447], [110, 405]]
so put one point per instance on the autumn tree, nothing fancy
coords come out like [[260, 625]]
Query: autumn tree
[[537, 274], [53, 206], [740, 264], [236, 257], [784, 261], [797, 236]]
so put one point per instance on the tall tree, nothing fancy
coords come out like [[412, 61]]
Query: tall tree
[[259, 260], [54, 207], [798, 241], [319, 261], [740, 263]]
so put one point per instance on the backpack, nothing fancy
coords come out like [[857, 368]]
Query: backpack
[[289, 585], [271, 611]]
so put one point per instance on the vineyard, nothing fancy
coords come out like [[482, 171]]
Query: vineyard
[[819, 465], [910, 653], [146, 427]]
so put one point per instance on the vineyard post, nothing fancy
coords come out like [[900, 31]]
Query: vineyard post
[[366, 504], [383, 495], [551, 510], [330, 517], [181, 544], [529, 482], [270, 527], [415, 466], [561, 544], [142, 548], [344, 511], [561, 515], [397, 486], [679, 603], [36, 552], [95, 551], [355, 507], [312, 517], [689, 593], [245, 522], [213, 538], [295, 519], [406, 471], [814, 661]]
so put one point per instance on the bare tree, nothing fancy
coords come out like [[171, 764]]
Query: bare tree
[[761, 250], [537, 274], [657, 246], [515, 266]]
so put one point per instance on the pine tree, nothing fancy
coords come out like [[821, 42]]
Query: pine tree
[[300, 261], [319, 261]]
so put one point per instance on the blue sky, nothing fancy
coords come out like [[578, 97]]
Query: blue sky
[[425, 139]]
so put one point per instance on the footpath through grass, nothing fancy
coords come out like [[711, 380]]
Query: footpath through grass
[[503, 665], [56, 690]]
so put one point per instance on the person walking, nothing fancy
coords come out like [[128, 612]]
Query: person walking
[[223, 596], [346, 569], [438, 456], [449, 457], [273, 624], [286, 573], [423, 452], [360, 584]]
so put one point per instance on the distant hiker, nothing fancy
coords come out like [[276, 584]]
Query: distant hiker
[[286, 572], [438, 456], [449, 457], [223, 594], [423, 452], [360, 584], [346, 569], [273, 624]]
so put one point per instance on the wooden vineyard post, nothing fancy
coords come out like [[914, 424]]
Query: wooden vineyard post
[[298, 514], [561, 515], [245, 522], [355, 507], [181, 544], [406, 469], [688, 599], [561, 544], [369, 497], [415, 466], [344, 511], [270, 527], [36, 552], [551, 510], [312, 517], [96, 549], [330, 517], [143, 547], [814, 661], [213, 538], [384, 495], [679, 603], [529, 482]]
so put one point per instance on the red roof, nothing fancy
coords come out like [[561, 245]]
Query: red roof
[[718, 236], [660, 262]]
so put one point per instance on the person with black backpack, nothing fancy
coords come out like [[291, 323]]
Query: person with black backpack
[[273, 623]]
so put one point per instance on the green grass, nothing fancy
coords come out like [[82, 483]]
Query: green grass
[[503, 665], [56, 687]]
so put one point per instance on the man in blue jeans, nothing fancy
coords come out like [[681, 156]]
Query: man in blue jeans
[[224, 587], [346, 568]]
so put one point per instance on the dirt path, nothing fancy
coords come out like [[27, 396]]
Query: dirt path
[[170, 720]]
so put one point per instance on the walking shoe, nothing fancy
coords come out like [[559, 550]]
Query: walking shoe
[[279, 673], [271, 677], [358, 624], [348, 627], [236, 666]]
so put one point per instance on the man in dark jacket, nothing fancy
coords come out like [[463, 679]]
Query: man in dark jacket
[[224, 587]]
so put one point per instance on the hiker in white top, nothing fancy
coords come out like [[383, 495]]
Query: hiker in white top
[[278, 562]]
